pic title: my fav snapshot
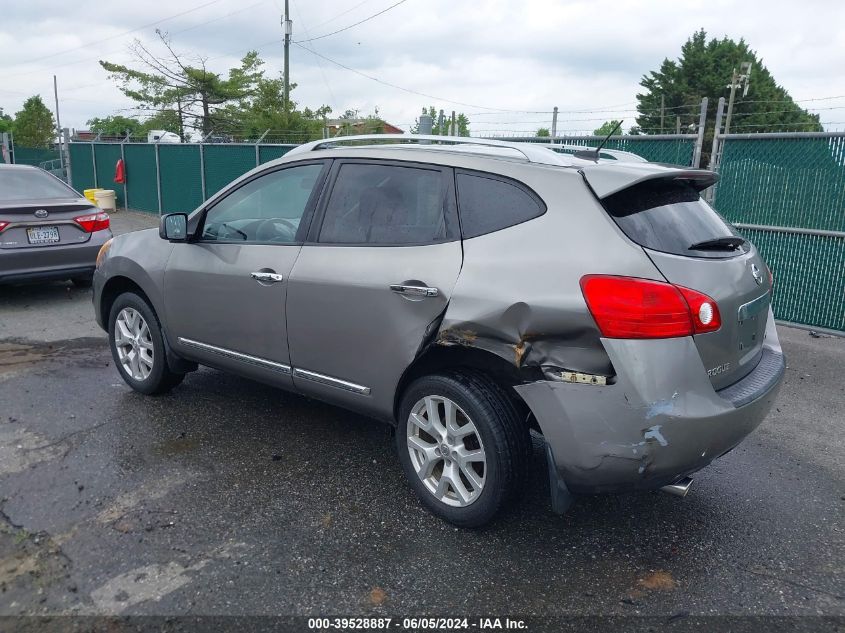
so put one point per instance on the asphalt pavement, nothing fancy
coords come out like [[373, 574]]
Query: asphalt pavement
[[229, 497]]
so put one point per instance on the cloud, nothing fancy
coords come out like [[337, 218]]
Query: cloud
[[491, 54]]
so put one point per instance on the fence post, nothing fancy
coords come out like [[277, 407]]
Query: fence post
[[261, 138], [202, 170], [123, 158], [699, 142], [94, 163], [66, 148], [714, 153], [158, 177], [716, 150], [4, 141]]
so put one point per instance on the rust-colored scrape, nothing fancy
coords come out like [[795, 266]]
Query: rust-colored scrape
[[454, 336], [377, 596], [658, 580], [519, 351]]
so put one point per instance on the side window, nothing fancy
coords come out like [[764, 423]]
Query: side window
[[267, 209], [388, 204], [491, 204]]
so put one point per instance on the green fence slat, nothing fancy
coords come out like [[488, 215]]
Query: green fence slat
[[141, 177], [809, 284], [34, 155], [82, 166], [224, 163], [267, 153], [107, 156], [181, 188], [794, 182]]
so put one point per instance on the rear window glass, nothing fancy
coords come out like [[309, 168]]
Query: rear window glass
[[491, 204], [669, 217], [31, 184]]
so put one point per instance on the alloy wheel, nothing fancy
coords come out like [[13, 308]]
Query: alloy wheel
[[134, 343], [446, 451]]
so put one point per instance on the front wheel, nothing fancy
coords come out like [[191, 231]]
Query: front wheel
[[461, 445], [137, 346]]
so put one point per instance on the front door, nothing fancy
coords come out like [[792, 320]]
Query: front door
[[373, 280], [225, 292]]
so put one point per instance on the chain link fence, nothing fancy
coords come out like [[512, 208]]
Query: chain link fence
[[165, 177], [672, 149], [786, 193]]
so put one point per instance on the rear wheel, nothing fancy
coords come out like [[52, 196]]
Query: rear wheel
[[137, 346], [461, 445]]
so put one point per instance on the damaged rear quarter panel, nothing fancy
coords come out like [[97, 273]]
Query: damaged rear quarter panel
[[518, 294]]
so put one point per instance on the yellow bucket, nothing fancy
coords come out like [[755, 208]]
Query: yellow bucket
[[89, 193]]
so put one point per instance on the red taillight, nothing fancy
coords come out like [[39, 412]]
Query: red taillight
[[93, 222], [3, 225], [628, 307]]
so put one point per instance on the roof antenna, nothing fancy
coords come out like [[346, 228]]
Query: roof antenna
[[593, 154]]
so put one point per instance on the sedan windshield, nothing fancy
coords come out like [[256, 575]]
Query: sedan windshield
[[31, 184]]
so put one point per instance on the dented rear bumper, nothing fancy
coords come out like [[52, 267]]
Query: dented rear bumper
[[660, 420]]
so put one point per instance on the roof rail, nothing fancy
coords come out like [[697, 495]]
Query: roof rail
[[532, 152]]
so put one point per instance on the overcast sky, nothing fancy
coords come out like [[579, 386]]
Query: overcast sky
[[509, 63]]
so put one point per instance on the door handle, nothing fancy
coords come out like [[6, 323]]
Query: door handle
[[271, 278], [414, 291]]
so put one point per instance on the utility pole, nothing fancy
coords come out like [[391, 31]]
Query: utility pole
[[453, 131], [662, 110], [737, 80], [554, 122], [287, 25], [58, 123]]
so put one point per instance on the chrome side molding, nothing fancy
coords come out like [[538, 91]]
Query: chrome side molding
[[331, 381], [279, 367], [246, 358]]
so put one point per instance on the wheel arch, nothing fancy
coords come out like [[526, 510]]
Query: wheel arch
[[439, 358]]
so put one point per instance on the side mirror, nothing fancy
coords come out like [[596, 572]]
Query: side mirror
[[173, 227]]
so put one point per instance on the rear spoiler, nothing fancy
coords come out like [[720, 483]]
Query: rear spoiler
[[606, 179]]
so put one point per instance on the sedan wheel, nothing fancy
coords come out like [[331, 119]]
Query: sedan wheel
[[446, 451], [134, 344]]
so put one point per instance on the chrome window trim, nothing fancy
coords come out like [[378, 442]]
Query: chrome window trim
[[222, 351], [331, 381]]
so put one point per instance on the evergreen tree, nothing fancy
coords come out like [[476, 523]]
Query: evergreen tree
[[34, 124], [704, 69]]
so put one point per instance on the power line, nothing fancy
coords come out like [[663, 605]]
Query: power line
[[321, 24], [111, 37], [346, 28], [409, 90], [311, 49]]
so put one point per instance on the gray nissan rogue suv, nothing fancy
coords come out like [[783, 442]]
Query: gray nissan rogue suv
[[468, 292]]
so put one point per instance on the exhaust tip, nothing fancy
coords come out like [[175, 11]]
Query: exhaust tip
[[680, 488]]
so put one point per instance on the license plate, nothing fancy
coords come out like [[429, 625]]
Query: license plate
[[752, 322], [43, 235]]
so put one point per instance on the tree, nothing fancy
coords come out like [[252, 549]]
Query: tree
[[704, 69], [543, 131], [607, 127], [170, 82], [461, 123], [34, 125], [115, 126]]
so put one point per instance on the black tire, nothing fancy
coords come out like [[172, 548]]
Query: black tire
[[504, 436], [82, 282], [160, 379]]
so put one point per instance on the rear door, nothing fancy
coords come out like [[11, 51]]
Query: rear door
[[693, 246], [373, 281]]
